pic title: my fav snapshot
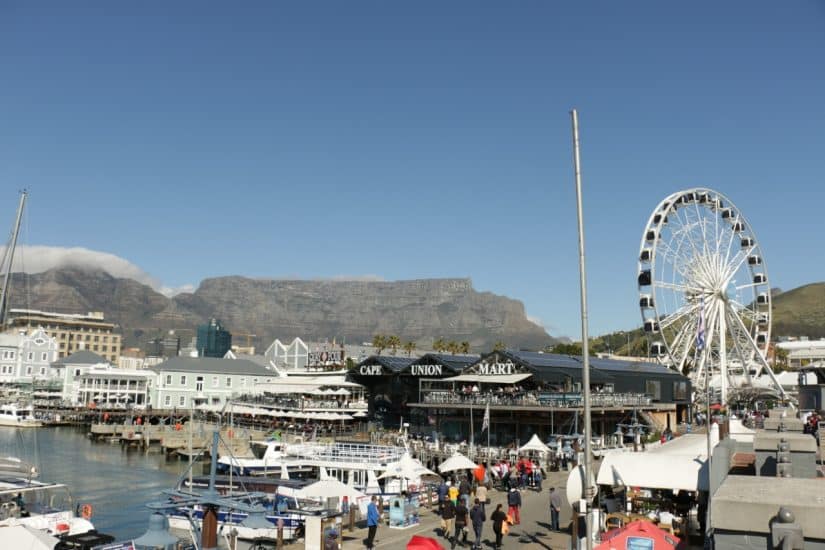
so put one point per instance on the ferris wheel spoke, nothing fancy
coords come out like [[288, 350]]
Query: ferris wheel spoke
[[733, 267], [679, 287], [678, 315]]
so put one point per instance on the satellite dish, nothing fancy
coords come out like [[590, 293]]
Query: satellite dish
[[575, 485]]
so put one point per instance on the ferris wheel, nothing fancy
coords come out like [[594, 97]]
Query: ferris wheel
[[704, 293]]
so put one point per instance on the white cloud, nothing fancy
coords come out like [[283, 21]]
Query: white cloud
[[37, 259], [535, 320]]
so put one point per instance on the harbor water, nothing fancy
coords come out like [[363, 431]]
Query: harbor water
[[116, 482]]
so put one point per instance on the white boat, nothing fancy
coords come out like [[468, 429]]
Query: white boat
[[18, 416], [43, 506], [358, 465]]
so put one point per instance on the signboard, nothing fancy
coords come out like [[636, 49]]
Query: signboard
[[325, 357], [425, 370], [639, 543], [494, 369], [370, 370]]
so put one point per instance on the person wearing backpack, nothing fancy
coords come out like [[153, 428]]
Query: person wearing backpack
[[514, 502]]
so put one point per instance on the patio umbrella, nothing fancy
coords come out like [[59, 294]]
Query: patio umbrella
[[406, 468], [423, 543], [457, 462]]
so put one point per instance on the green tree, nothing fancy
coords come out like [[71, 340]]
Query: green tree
[[499, 346], [439, 345], [393, 342], [465, 347], [409, 347], [379, 342]]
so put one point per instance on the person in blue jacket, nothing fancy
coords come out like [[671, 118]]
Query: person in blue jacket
[[372, 520]]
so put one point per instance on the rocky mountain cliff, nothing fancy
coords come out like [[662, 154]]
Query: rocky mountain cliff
[[354, 311]]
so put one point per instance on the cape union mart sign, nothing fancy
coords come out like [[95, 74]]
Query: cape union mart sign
[[425, 370], [370, 370], [493, 369]]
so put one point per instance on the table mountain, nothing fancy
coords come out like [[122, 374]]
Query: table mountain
[[354, 311]]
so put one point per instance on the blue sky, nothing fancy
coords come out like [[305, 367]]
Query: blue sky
[[410, 140]]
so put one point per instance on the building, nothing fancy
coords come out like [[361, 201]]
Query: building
[[165, 346], [71, 369], [213, 339], [25, 356], [72, 332], [110, 387], [803, 352], [189, 382]]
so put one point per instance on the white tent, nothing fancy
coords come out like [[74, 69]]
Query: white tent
[[535, 444], [407, 468], [342, 391], [457, 462], [331, 488]]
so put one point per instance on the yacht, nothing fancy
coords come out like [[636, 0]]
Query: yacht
[[39, 505], [18, 416]]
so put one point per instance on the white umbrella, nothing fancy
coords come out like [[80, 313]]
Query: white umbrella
[[328, 488], [408, 468], [341, 391], [360, 414], [457, 462]]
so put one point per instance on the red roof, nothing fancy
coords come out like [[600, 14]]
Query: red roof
[[639, 535]]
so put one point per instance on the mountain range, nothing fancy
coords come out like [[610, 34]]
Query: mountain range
[[259, 310]]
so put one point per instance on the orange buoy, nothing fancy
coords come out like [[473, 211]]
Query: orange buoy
[[86, 511]]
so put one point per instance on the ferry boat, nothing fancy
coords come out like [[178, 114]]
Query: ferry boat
[[40, 505], [358, 465], [17, 416]]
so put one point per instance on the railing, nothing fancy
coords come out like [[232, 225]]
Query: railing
[[536, 399]]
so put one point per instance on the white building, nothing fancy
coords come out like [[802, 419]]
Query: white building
[[70, 370], [111, 387], [803, 352], [25, 356], [187, 381]]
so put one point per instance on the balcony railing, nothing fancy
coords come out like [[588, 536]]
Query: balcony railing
[[536, 399]]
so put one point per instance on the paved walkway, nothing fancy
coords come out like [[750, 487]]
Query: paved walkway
[[533, 532]]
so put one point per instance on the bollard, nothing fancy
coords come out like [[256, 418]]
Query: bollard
[[352, 519], [280, 542]]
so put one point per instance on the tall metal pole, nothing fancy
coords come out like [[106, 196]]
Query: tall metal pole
[[588, 466], [4, 296]]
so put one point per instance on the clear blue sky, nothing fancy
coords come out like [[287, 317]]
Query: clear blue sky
[[411, 139]]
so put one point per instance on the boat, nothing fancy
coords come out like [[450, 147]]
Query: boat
[[40, 505], [18, 416], [358, 465]]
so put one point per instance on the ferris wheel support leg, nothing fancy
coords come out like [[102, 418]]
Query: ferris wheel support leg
[[723, 359], [765, 366]]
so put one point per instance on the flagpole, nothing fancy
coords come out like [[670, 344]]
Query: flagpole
[[471, 429], [488, 425]]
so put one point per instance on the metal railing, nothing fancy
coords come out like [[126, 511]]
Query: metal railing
[[535, 399]]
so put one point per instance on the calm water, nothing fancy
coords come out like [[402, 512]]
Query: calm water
[[117, 483]]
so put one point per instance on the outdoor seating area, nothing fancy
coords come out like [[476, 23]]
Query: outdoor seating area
[[520, 398]]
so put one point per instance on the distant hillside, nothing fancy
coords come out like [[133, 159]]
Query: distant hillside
[[354, 311], [800, 312]]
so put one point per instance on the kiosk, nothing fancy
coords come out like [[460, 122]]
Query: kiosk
[[403, 512]]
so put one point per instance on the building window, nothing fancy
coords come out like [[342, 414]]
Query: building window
[[680, 392], [30, 356], [243, 382], [182, 401], [653, 388], [182, 379], [76, 373], [104, 348], [95, 347], [28, 370], [228, 382], [215, 382], [168, 380], [167, 400], [42, 371]]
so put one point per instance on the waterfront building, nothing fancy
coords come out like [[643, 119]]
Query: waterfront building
[[392, 382], [527, 393], [110, 387], [213, 339], [186, 381], [25, 356], [803, 352], [69, 371], [73, 332]]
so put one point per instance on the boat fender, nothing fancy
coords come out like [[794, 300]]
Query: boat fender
[[130, 435], [86, 511]]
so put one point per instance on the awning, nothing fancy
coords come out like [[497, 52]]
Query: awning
[[653, 471], [486, 379]]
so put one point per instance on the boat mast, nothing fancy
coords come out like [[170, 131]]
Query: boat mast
[[10, 255]]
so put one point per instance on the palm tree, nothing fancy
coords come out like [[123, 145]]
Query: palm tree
[[393, 342], [379, 342], [439, 345], [452, 347], [409, 347], [499, 346], [465, 347]]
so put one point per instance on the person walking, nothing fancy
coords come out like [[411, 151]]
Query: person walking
[[442, 494], [477, 517], [481, 495], [537, 477], [461, 514], [555, 509], [448, 518], [498, 518], [372, 521], [514, 502], [464, 492]]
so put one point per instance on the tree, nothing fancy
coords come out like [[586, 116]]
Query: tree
[[499, 346], [567, 349], [439, 345], [379, 342], [409, 347], [465, 347], [393, 342], [452, 347]]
